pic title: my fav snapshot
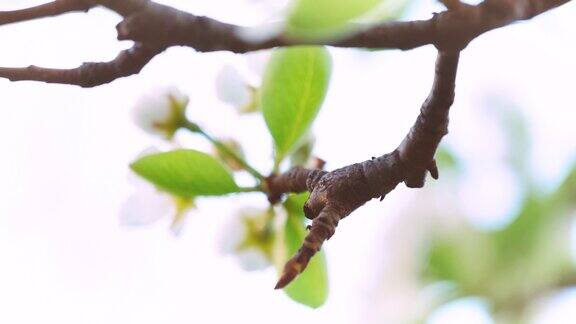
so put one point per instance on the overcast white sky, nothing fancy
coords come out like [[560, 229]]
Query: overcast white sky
[[63, 172]]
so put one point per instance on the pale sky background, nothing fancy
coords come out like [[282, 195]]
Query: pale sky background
[[64, 174]]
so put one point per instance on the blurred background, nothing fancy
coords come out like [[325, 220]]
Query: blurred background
[[490, 242]]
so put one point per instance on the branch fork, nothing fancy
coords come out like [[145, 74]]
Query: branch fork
[[335, 195]]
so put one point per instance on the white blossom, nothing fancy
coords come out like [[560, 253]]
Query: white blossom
[[233, 88], [244, 238], [270, 22], [160, 112], [252, 259], [145, 206]]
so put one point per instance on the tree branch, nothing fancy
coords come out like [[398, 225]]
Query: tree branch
[[296, 180], [128, 62], [157, 26], [449, 29], [55, 8], [334, 195]]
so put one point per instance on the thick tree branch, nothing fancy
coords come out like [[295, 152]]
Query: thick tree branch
[[334, 195], [449, 29], [158, 26]]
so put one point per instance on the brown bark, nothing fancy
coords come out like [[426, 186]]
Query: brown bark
[[334, 195]]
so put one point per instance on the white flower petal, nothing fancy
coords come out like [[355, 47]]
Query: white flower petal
[[252, 259], [155, 109], [235, 235], [145, 206], [150, 111], [232, 87], [232, 235], [175, 94]]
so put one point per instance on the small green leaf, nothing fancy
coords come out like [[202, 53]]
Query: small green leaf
[[294, 87], [317, 19], [186, 173], [310, 287]]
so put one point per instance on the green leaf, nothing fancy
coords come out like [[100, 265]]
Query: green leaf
[[186, 173], [317, 19], [446, 159], [465, 257], [310, 287], [391, 10], [294, 87], [565, 195]]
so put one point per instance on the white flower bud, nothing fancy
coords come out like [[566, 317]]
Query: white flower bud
[[234, 89], [161, 112], [145, 206], [247, 236]]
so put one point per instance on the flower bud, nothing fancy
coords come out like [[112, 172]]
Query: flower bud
[[250, 237], [161, 112], [235, 147], [234, 89]]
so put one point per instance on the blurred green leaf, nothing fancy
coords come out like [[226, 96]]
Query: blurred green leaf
[[533, 252], [464, 257], [565, 195], [390, 9], [538, 236], [515, 128], [311, 287], [446, 159], [186, 173], [325, 18], [443, 263], [294, 87], [518, 239]]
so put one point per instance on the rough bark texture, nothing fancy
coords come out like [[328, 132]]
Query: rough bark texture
[[334, 195]]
